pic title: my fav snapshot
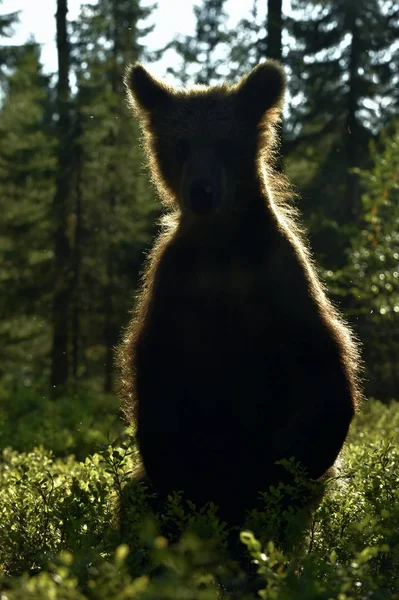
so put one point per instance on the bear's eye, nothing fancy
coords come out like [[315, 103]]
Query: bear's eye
[[182, 149]]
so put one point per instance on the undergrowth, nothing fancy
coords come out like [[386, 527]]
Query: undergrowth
[[74, 525]]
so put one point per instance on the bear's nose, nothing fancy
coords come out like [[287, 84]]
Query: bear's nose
[[202, 197]]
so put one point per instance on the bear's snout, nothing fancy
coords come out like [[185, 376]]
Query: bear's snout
[[202, 185], [202, 197]]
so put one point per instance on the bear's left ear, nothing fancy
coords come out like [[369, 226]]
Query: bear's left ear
[[262, 89], [145, 92]]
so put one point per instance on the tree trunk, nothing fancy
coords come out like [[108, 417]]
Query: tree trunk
[[77, 259], [275, 51], [274, 29], [351, 126], [61, 299], [110, 335]]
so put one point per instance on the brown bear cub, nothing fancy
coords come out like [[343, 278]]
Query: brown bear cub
[[235, 358]]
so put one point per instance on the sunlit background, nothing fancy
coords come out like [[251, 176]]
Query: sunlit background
[[171, 17], [67, 141], [37, 19]]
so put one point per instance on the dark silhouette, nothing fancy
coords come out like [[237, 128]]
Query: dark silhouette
[[235, 357]]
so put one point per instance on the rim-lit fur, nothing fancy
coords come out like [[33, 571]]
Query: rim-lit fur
[[278, 195]]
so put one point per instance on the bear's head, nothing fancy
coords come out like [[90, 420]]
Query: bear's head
[[204, 144]]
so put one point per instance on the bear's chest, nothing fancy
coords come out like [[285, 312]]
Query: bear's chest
[[233, 284], [228, 302]]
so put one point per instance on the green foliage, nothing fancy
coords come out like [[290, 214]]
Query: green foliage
[[49, 505], [369, 283], [86, 530], [27, 168], [375, 252], [77, 424]]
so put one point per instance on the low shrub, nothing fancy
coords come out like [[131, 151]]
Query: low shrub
[[77, 529]]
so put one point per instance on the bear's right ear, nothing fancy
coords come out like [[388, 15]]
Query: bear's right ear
[[145, 92]]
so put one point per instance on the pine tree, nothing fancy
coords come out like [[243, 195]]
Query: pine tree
[[336, 81], [387, 109], [204, 54], [114, 205], [27, 170], [258, 36], [372, 274], [274, 29], [7, 53]]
